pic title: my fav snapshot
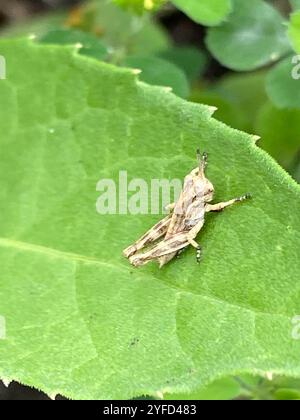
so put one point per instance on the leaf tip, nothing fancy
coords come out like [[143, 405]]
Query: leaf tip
[[6, 382], [274, 56], [159, 395], [269, 376], [167, 89], [213, 109], [136, 71], [255, 138], [32, 37], [53, 396]]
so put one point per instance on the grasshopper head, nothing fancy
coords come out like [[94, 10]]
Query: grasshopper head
[[202, 185]]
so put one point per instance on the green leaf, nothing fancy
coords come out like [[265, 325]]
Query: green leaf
[[206, 12], [220, 390], [250, 381], [245, 90], [157, 71], [283, 84], [287, 395], [287, 383], [246, 93], [294, 31], [252, 36], [91, 45], [226, 112], [138, 34], [190, 59], [279, 130], [80, 320]]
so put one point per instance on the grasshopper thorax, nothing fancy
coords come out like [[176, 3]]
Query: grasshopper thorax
[[203, 188], [202, 193]]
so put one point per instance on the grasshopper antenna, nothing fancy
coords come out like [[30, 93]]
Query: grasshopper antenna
[[199, 158], [202, 161]]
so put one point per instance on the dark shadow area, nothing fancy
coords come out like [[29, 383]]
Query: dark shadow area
[[19, 392]]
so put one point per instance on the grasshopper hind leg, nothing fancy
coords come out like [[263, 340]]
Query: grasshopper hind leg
[[199, 254], [155, 233], [198, 249]]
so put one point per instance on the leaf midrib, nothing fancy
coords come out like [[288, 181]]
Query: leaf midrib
[[25, 246]]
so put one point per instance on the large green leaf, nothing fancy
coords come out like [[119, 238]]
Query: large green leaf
[[207, 12], [80, 320], [252, 36]]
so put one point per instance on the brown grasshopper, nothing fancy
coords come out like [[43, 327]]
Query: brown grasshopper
[[180, 228]]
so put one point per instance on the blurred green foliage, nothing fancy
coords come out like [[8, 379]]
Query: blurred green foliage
[[252, 36], [207, 12], [294, 31], [139, 6]]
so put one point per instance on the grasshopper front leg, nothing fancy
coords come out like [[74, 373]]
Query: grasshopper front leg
[[198, 249], [222, 206]]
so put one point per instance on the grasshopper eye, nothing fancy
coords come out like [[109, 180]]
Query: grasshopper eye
[[210, 192]]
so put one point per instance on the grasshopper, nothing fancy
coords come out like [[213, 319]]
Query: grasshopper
[[172, 235]]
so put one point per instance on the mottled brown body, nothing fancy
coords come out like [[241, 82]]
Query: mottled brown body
[[180, 228]]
